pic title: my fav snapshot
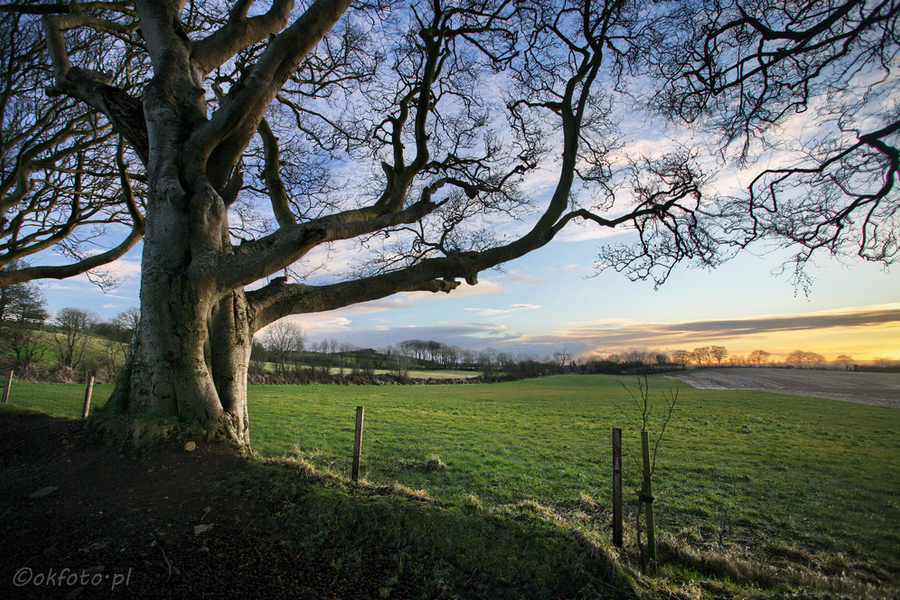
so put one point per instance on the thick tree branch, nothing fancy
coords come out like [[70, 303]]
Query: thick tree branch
[[239, 33], [230, 129], [28, 162], [279, 299], [272, 176], [92, 262], [83, 266], [65, 8], [124, 112], [571, 109], [294, 242]]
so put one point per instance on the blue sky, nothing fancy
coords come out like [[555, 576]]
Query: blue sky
[[553, 299]]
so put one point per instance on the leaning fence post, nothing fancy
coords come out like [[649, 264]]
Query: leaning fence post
[[87, 397], [6, 389], [617, 486], [357, 443]]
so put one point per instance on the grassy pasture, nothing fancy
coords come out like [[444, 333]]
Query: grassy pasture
[[762, 474], [64, 399], [773, 479]]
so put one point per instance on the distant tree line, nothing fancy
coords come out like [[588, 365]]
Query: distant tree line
[[22, 313], [70, 346], [76, 343], [632, 362], [284, 354], [649, 361]]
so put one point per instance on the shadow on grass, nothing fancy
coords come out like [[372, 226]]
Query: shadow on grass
[[398, 543], [418, 548]]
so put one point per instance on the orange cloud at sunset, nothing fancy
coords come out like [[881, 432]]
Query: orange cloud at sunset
[[863, 332]]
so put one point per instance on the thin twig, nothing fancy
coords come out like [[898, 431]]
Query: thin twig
[[165, 558], [671, 398]]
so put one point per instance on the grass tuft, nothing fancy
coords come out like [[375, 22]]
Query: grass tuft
[[586, 503], [435, 464]]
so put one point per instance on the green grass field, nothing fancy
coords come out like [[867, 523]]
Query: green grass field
[[64, 399], [765, 473], [755, 476]]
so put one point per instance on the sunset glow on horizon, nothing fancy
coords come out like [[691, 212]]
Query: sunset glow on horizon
[[865, 333]]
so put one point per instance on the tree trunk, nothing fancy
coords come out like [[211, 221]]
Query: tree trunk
[[190, 365], [190, 353]]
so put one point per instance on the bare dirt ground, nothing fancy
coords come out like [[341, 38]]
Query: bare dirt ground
[[882, 389], [79, 519]]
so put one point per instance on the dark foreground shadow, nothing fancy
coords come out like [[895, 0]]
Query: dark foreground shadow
[[84, 519]]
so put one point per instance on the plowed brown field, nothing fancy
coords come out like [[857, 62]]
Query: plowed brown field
[[866, 388]]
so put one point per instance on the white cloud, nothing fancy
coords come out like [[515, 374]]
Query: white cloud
[[493, 312], [540, 181], [465, 335], [124, 268], [482, 288], [317, 325], [517, 277], [584, 232], [580, 269]]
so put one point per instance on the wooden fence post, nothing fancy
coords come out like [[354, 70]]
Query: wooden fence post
[[357, 444], [6, 389], [87, 397], [647, 496], [617, 486]]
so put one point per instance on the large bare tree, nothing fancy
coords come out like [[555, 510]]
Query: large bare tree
[[248, 146]]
